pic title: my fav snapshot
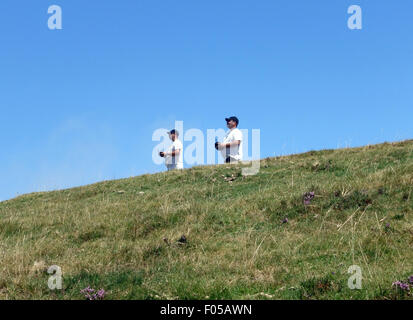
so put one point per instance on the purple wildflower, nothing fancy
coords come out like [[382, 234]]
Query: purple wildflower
[[401, 285], [285, 220], [307, 197], [410, 279], [91, 294], [101, 294]]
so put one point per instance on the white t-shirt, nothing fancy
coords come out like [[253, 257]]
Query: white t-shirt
[[177, 160], [234, 152]]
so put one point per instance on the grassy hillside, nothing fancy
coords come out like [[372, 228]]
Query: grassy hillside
[[123, 236]]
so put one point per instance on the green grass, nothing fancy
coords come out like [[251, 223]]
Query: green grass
[[123, 235]]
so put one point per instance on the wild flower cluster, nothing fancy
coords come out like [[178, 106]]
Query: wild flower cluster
[[307, 197], [406, 286], [92, 294]]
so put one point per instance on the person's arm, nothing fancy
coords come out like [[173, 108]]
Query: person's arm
[[173, 153], [229, 145]]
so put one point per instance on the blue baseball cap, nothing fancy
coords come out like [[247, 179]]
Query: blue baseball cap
[[174, 131], [235, 119]]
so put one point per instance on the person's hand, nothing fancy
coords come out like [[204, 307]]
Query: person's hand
[[220, 146], [162, 154]]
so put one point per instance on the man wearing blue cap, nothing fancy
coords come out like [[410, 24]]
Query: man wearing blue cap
[[231, 146]]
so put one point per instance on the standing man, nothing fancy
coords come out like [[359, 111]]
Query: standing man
[[231, 146], [173, 156]]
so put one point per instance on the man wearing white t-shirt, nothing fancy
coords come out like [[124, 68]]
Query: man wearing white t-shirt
[[173, 156], [231, 146]]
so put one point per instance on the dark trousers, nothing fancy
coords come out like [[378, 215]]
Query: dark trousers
[[230, 160]]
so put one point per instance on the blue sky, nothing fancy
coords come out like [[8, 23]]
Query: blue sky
[[79, 105]]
